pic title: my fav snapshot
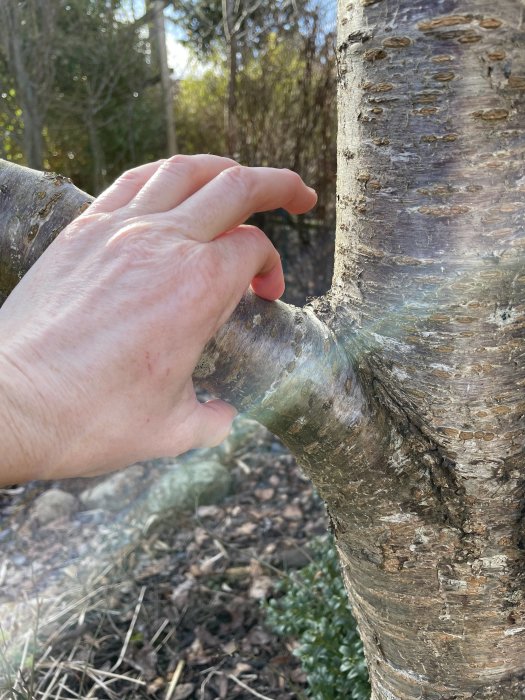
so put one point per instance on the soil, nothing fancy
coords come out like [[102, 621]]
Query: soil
[[112, 606]]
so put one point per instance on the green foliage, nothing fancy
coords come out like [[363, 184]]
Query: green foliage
[[314, 610]]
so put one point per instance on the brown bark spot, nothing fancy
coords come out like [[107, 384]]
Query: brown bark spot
[[444, 77], [445, 349], [442, 211], [442, 58], [450, 432], [448, 21], [490, 115], [496, 55], [374, 185], [465, 319], [516, 82], [378, 87], [425, 111], [441, 374], [440, 317], [426, 97], [363, 177], [466, 435], [450, 137], [470, 37], [396, 42], [381, 142], [32, 232], [501, 410], [374, 55], [487, 437], [46, 209], [429, 139], [377, 110], [490, 23], [366, 3]]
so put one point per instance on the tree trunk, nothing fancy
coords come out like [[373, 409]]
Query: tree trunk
[[27, 92], [158, 40], [230, 112], [401, 392]]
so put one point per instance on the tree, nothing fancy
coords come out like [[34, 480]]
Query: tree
[[158, 41], [237, 27], [27, 32], [401, 391]]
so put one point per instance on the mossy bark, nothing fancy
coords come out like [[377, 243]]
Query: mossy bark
[[401, 391]]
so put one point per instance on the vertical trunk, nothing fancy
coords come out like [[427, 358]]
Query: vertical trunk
[[97, 153], [230, 112], [429, 275], [26, 92], [159, 45]]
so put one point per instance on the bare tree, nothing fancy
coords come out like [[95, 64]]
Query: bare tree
[[158, 42], [27, 34], [401, 391]]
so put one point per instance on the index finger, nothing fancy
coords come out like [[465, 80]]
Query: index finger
[[238, 192]]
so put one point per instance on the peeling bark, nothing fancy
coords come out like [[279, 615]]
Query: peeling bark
[[401, 392]]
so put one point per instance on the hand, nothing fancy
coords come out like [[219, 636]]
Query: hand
[[100, 338]]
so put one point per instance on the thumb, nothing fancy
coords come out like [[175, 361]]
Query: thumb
[[211, 423]]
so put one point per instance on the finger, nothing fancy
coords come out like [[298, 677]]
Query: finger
[[236, 193], [211, 423], [124, 189], [175, 180], [248, 257]]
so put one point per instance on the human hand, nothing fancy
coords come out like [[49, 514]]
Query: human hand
[[100, 338]]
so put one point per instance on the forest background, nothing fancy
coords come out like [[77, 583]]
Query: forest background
[[83, 91]]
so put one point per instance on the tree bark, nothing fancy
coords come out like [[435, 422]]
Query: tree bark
[[158, 36], [230, 111], [32, 66], [401, 392]]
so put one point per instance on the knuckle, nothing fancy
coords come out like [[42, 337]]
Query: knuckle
[[177, 159], [177, 166], [133, 244], [239, 177]]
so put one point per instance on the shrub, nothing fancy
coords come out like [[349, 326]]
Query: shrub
[[313, 609]]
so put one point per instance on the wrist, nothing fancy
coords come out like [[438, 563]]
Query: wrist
[[24, 427]]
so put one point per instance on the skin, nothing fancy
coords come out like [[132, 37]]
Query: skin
[[100, 338]]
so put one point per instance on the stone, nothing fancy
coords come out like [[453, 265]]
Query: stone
[[244, 431], [51, 505], [116, 491], [184, 486]]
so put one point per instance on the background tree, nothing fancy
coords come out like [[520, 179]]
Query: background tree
[[27, 41], [159, 58], [401, 391]]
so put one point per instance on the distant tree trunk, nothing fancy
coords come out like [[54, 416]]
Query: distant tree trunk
[[97, 153], [158, 40], [230, 113], [29, 90], [401, 391]]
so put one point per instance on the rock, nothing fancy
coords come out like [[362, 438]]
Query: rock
[[186, 485], [51, 505], [244, 430], [116, 491]]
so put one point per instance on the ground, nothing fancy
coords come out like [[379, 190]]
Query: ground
[[129, 605]]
